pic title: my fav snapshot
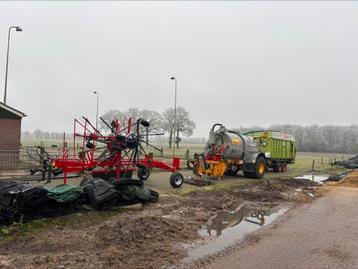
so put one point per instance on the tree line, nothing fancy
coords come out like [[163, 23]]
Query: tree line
[[39, 134], [312, 138], [327, 138], [160, 123], [315, 138]]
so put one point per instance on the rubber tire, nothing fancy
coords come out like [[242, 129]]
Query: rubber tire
[[84, 181], [144, 123], [128, 174], [276, 167], [127, 182], [143, 173], [231, 172], [248, 174], [284, 167], [190, 164], [280, 168], [256, 173], [228, 172], [104, 175], [154, 196], [176, 180]]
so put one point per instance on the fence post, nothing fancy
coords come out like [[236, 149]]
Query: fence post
[[187, 154], [312, 165], [42, 153], [161, 152]]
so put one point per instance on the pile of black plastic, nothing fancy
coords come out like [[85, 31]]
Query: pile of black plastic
[[20, 201], [351, 163]]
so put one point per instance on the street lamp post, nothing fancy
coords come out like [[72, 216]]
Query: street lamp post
[[175, 114], [18, 29], [97, 93]]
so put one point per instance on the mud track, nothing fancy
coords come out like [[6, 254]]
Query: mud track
[[151, 237]]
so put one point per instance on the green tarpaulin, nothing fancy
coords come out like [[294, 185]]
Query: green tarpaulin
[[141, 192], [63, 193]]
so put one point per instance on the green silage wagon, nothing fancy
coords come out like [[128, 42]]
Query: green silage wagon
[[279, 148]]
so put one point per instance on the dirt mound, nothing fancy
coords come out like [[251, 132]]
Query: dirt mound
[[280, 189], [298, 183], [127, 230], [350, 180], [139, 237], [213, 201], [148, 238], [266, 193]]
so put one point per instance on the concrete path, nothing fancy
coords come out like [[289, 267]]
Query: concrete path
[[323, 234]]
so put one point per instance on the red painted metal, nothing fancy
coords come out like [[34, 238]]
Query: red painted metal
[[115, 161], [151, 163], [176, 162]]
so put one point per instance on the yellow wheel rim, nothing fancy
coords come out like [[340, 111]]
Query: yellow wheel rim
[[261, 168]]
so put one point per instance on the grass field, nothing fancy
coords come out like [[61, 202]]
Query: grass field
[[167, 152], [303, 159], [322, 164]]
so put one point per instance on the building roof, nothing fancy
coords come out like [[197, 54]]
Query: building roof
[[12, 110]]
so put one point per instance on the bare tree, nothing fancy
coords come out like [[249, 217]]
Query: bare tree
[[156, 122], [109, 116], [134, 113], [184, 125], [168, 124], [153, 117]]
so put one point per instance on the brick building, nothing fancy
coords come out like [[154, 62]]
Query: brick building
[[10, 128]]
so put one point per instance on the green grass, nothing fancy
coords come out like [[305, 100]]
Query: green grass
[[167, 152], [46, 142], [303, 164]]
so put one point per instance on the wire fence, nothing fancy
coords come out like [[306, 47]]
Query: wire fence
[[25, 158], [17, 160], [32, 157]]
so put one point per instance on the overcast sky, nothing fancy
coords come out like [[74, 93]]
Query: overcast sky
[[239, 63]]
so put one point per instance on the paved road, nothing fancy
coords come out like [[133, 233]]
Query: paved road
[[323, 234]]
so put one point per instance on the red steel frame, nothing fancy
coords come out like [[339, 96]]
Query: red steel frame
[[116, 161]]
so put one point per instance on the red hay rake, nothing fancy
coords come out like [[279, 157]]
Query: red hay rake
[[110, 156]]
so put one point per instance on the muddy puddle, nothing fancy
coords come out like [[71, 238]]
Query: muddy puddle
[[226, 228], [315, 178]]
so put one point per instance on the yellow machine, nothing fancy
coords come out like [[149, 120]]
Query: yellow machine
[[212, 168]]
